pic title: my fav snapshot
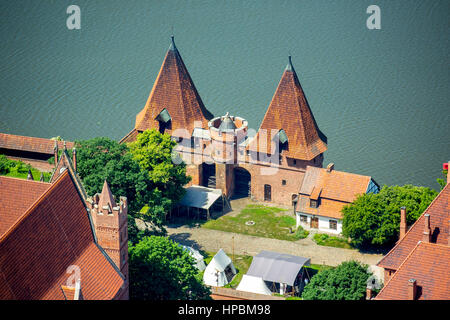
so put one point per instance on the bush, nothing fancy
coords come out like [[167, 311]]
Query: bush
[[301, 233], [5, 164]]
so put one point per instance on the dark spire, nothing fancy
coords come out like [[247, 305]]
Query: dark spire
[[30, 175], [41, 179], [290, 67], [172, 45]]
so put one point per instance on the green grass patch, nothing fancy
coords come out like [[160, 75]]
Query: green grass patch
[[19, 169], [323, 239], [270, 222]]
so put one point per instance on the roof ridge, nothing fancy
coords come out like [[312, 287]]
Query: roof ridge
[[23, 179], [399, 267], [411, 227], [35, 203]]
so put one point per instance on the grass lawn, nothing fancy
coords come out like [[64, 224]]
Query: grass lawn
[[270, 222], [323, 239], [18, 169]]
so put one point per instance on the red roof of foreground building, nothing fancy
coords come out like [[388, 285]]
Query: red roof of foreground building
[[46, 241], [12, 206], [30, 144], [428, 264], [439, 211], [174, 91], [289, 111]]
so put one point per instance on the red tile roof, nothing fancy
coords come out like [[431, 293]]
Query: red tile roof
[[17, 195], [335, 189], [174, 91], [439, 211], [49, 237], [289, 110], [428, 264], [31, 144]]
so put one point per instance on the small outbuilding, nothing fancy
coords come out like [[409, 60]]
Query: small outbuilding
[[220, 271], [200, 201], [283, 273]]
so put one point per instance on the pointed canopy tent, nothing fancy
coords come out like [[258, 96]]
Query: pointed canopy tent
[[219, 271], [199, 262], [290, 116], [253, 284], [277, 267]]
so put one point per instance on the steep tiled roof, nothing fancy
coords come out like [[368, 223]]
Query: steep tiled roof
[[334, 188], [174, 91], [439, 211], [31, 144], [289, 110], [65, 162], [54, 234], [17, 195], [428, 264]]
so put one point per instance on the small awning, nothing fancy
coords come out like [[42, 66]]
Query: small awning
[[201, 134], [200, 197], [277, 267], [164, 116]]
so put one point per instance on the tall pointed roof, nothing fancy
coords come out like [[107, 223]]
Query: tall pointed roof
[[174, 91], [289, 111], [106, 198]]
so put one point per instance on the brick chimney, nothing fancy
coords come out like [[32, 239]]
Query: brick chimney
[[369, 293], [403, 226], [74, 159], [412, 289], [330, 167], [426, 230]]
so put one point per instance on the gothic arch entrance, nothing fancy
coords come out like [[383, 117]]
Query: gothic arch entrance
[[242, 183]]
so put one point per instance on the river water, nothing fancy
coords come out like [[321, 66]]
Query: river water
[[380, 96]]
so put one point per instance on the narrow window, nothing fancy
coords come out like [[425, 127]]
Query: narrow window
[[333, 224], [283, 182]]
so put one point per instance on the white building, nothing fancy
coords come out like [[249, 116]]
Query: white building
[[324, 192]]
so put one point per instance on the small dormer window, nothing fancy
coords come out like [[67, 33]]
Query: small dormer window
[[313, 203], [164, 120]]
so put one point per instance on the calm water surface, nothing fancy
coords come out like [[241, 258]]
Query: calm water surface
[[381, 96]]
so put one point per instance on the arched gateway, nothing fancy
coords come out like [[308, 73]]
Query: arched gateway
[[242, 183]]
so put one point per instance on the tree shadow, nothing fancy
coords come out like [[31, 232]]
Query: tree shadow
[[183, 238]]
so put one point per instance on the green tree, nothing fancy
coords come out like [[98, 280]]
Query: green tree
[[374, 219], [443, 182], [161, 270], [154, 151], [102, 158], [348, 281]]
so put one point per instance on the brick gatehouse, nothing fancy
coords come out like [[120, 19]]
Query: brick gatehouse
[[222, 152]]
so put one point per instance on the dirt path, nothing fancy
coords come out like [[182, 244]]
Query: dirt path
[[213, 240]]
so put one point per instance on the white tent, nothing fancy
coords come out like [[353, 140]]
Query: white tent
[[199, 263], [253, 284], [219, 271]]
